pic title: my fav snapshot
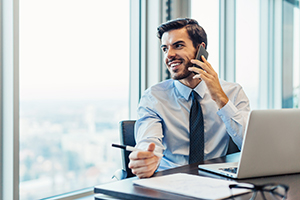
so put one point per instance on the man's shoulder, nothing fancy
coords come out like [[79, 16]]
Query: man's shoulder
[[159, 91], [162, 86]]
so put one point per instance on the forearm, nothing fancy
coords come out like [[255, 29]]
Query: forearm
[[235, 119]]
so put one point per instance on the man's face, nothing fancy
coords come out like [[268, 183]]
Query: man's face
[[178, 50]]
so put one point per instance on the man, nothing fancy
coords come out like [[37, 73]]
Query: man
[[164, 109]]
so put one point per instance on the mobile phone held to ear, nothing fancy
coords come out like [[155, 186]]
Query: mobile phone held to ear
[[201, 51]]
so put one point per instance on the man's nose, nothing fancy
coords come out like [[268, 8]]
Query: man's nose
[[171, 53]]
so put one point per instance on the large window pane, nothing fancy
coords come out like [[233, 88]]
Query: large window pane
[[74, 87], [247, 48], [207, 15]]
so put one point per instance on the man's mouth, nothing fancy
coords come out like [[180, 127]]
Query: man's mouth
[[174, 65]]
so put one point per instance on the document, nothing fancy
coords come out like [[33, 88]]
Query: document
[[191, 185]]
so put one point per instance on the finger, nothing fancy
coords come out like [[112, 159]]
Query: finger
[[140, 165], [145, 171], [151, 147], [143, 162], [198, 62], [137, 155], [204, 65], [205, 61], [207, 78], [203, 77], [196, 70], [196, 76], [210, 68], [144, 174]]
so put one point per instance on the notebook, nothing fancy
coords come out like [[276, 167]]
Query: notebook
[[191, 186], [270, 146]]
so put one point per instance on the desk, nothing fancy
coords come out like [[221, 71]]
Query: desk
[[125, 189]]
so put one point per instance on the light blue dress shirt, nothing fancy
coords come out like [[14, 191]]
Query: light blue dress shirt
[[163, 118]]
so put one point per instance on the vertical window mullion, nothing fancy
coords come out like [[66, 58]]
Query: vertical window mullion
[[288, 42], [277, 54], [227, 39], [10, 99], [135, 57]]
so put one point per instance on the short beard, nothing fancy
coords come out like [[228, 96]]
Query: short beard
[[186, 73]]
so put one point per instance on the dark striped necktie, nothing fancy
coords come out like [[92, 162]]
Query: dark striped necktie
[[196, 131]]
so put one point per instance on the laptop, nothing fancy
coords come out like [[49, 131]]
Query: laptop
[[271, 146]]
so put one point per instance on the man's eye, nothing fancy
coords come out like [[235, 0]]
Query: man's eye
[[179, 45], [164, 49]]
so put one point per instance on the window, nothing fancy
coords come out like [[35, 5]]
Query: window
[[208, 18], [267, 52], [248, 49], [74, 89]]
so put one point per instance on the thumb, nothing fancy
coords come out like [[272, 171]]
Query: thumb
[[151, 147]]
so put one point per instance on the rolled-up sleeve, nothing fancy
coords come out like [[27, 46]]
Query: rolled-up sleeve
[[148, 127], [235, 115]]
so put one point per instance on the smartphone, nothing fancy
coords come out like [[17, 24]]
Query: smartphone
[[201, 51]]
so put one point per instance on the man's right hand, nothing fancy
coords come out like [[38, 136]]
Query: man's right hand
[[143, 163]]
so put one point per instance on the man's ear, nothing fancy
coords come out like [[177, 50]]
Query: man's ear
[[203, 44]]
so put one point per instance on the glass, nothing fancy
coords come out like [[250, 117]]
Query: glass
[[268, 191], [247, 49], [208, 18], [74, 90]]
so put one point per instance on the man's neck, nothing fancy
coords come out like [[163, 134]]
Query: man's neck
[[190, 82]]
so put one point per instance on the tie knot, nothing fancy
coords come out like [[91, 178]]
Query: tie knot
[[194, 95]]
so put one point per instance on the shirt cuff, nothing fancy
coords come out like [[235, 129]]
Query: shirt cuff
[[228, 111]]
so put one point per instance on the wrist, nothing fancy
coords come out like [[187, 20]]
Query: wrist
[[221, 102]]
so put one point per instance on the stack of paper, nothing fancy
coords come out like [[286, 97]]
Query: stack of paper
[[191, 185]]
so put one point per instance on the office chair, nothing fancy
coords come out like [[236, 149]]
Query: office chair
[[126, 129], [127, 138]]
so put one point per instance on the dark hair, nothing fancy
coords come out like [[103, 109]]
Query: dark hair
[[196, 32]]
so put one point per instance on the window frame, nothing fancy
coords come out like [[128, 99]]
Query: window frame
[[9, 99]]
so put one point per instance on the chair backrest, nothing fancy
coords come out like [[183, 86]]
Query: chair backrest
[[127, 138], [232, 147]]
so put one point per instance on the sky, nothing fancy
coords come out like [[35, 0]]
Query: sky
[[73, 49]]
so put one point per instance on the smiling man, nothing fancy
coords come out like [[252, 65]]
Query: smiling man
[[164, 110]]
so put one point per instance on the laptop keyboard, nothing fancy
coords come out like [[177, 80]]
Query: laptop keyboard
[[230, 169]]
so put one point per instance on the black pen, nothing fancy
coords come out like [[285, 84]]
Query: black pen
[[129, 148]]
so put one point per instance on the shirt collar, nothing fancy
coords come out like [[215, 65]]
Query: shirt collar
[[185, 91]]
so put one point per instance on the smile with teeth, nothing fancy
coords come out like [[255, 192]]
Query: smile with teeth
[[174, 65]]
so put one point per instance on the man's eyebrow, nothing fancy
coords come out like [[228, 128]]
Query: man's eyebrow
[[178, 42], [175, 43]]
